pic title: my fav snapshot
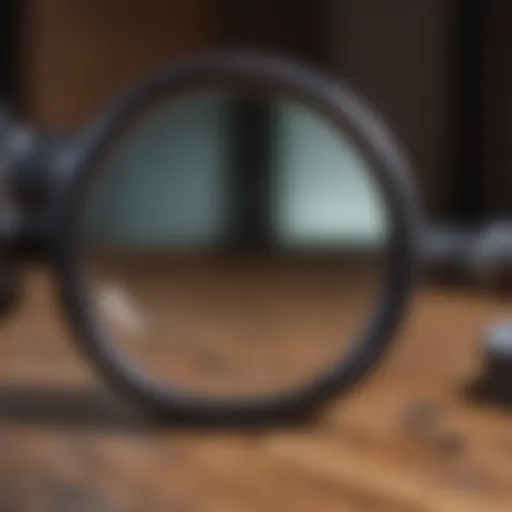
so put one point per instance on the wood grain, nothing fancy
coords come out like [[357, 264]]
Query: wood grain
[[407, 440]]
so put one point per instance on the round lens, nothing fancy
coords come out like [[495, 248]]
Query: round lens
[[236, 243]]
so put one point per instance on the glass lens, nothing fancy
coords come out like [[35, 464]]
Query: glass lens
[[235, 243]]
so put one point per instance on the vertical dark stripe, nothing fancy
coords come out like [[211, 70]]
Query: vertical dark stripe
[[10, 53], [251, 122], [497, 98], [468, 167], [287, 27]]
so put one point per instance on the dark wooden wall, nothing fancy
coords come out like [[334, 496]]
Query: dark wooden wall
[[439, 71], [79, 54], [496, 97], [397, 53]]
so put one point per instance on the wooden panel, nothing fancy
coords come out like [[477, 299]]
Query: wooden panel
[[396, 53], [278, 26], [81, 53], [496, 97]]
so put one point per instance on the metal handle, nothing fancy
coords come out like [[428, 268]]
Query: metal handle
[[483, 254]]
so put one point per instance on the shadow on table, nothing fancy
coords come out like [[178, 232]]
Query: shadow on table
[[93, 409]]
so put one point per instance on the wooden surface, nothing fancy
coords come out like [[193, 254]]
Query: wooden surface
[[80, 55], [408, 440]]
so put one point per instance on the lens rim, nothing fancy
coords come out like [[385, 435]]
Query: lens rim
[[391, 172]]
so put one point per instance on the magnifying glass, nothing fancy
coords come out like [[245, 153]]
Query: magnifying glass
[[212, 288]]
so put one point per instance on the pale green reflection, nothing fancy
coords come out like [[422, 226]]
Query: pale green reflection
[[169, 186], [167, 183], [324, 192]]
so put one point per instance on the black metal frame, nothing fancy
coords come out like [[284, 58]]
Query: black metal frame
[[390, 169]]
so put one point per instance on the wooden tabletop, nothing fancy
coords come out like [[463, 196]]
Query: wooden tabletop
[[410, 439]]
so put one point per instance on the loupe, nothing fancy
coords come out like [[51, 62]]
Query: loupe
[[210, 290]]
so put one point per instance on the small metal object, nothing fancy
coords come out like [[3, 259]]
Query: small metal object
[[490, 259], [498, 340], [494, 383], [498, 353]]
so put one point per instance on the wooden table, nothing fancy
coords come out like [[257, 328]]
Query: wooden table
[[408, 440]]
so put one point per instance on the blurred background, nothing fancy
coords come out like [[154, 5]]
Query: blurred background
[[438, 71]]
